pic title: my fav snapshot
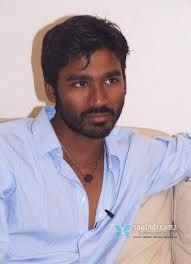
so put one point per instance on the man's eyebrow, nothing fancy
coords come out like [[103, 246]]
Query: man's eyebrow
[[75, 77], [112, 73]]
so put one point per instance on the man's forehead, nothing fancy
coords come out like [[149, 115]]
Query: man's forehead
[[102, 59]]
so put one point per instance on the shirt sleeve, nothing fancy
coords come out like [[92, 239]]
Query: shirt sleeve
[[170, 162], [7, 186]]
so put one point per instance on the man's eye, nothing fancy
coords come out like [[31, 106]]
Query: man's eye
[[111, 81], [80, 84]]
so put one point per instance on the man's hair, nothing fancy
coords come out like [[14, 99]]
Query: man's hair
[[80, 35]]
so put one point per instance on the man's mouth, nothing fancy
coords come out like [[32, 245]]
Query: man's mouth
[[99, 117]]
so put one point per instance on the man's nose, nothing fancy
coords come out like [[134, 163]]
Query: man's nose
[[98, 96]]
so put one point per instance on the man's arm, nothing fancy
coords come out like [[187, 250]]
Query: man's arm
[[170, 162], [4, 238], [7, 186]]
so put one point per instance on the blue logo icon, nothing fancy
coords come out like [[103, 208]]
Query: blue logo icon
[[122, 230]]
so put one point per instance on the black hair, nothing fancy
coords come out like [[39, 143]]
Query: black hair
[[80, 35]]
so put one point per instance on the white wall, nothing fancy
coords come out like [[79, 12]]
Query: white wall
[[158, 69]]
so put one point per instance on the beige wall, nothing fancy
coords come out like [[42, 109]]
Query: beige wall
[[158, 69]]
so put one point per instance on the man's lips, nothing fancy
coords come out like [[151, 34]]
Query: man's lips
[[99, 117]]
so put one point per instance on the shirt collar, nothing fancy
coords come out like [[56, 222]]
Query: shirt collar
[[43, 132], [113, 153], [112, 148]]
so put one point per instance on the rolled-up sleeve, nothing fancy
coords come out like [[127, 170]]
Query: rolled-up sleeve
[[7, 186], [170, 162]]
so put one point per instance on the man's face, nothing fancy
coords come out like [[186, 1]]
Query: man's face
[[90, 98]]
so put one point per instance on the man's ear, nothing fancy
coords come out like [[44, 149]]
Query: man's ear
[[50, 92]]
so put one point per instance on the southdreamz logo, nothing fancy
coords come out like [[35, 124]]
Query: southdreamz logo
[[146, 230]]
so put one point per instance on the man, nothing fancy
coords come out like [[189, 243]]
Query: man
[[68, 176]]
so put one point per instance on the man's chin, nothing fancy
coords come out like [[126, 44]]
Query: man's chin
[[94, 131], [96, 135], [97, 132]]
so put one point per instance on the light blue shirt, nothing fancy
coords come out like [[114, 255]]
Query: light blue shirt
[[44, 207]]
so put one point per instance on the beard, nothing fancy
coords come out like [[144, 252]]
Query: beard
[[80, 123]]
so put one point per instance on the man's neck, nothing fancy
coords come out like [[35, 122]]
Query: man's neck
[[81, 148]]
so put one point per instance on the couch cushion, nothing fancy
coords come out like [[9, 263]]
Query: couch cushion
[[148, 247], [182, 218]]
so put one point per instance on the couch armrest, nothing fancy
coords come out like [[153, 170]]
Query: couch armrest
[[152, 247], [182, 219]]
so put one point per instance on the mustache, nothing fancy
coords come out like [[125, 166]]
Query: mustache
[[94, 110]]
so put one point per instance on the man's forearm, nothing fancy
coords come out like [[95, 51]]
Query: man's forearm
[[3, 252]]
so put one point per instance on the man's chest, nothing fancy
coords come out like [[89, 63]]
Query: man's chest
[[49, 209], [91, 188], [52, 201]]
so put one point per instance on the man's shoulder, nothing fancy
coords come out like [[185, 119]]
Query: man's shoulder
[[123, 136], [14, 130], [15, 125]]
